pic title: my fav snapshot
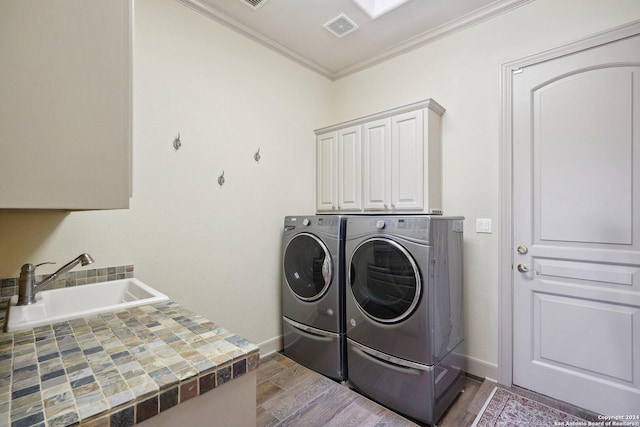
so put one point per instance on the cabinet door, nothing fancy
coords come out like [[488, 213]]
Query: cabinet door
[[326, 171], [407, 181], [376, 141], [349, 169], [65, 104]]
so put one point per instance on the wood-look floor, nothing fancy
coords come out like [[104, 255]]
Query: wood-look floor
[[291, 395]]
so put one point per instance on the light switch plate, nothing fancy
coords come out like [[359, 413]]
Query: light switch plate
[[483, 225]]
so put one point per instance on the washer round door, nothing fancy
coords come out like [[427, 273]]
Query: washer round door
[[307, 267], [385, 280]]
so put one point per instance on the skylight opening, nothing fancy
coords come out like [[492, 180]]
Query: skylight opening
[[377, 8]]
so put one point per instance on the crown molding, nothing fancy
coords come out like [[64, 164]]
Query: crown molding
[[466, 21], [483, 14], [224, 19], [427, 103]]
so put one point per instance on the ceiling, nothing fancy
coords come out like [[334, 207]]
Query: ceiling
[[295, 28]]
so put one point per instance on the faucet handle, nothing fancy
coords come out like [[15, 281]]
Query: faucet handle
[[43, 263], [30, 268]]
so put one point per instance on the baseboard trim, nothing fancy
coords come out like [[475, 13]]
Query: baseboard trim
[[476, 367], [271, 346], [480, 368]]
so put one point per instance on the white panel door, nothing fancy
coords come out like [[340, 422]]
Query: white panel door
[[326, 171], [349, 169], [576, 219], [376, 141], [407, 174]]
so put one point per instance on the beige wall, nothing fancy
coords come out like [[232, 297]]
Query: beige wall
[[216, 250], [213, 249], [462, 72]]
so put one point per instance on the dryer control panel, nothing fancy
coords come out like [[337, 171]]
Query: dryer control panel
[[413, 227]]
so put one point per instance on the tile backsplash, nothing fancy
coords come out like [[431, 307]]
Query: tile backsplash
[[9, 286]]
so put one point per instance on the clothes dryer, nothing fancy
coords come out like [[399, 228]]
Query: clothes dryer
[[404, 311], [313, 293]]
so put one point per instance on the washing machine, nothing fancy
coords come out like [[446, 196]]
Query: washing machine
[[404, 311], [313, 293]]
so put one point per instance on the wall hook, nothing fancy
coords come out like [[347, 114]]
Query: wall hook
[[177, 143], [256, 156], [221, 179]]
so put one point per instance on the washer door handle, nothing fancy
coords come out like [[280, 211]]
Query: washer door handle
[[327, 336], [389, 361], [326, 269]]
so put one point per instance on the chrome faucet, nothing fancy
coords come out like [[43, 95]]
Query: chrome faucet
[[27, 286]]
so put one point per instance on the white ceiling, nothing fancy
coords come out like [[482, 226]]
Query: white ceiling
[[295, 27]]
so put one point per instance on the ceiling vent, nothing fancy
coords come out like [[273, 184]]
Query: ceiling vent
[[254, 4], [340, 26]]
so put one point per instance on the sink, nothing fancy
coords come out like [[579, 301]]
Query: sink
[[57, 305]]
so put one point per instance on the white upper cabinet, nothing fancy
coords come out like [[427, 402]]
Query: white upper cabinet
[[400, 166], [376, 164], [327, 168], [339, 178], [349, 173], [407, 161], [65, 104]]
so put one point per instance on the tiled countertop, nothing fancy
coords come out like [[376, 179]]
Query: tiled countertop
[[116, 368]]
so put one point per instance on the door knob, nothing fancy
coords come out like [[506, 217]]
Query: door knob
[[522, 268]]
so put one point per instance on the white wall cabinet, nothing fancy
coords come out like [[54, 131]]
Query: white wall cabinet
[[339, 183], [399, 169], [327, 172], [376, 165], [65, 104]]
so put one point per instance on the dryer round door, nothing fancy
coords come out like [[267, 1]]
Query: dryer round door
[[384, 280], [307, 267]]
